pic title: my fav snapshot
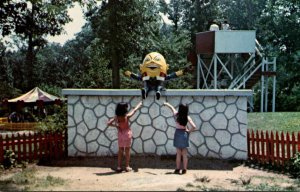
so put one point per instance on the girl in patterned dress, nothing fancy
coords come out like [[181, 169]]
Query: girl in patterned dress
[[121, 121], [181, 136]]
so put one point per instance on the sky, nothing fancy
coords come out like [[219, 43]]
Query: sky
[[75, 26], [71, 28]]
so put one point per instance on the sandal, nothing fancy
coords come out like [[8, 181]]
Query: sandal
[[127, 169], [119, 169]]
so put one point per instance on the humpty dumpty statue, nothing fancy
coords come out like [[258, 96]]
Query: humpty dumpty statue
[[153, 72]]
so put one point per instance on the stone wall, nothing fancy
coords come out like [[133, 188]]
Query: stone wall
[[220, 117]]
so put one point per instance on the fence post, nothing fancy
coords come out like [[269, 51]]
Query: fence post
[[288, 146], [263, 153], [19, 147], [30, 154], [24, 147], [282, 143], [257, 146], [277, 148], [35, 146], [1, 149], [271, 146]]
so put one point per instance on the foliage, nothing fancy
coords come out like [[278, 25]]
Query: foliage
[[56, 122], [32, 21], [124, 32], [7, 91], [118, 34], [294, 165], [9, 159]]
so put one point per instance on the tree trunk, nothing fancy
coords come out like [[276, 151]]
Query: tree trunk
[[115, 70], [29, 65]]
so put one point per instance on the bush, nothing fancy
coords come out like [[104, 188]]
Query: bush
[[294, 165], [56, 122], [9, 159]]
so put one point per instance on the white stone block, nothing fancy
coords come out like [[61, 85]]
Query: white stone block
[[231, 111], [154, 110], [89, 101], [196, 108], [210, 101], [227, 152], [160, 138], [92, 147], [219, 121], [92, 135], [80, 144], [89, 118], [239, 142], [103, 140], [221, 107], [149, 146], [207, 114], [233, 126], [160, 123], [207, 129], [223, 137], [212, 144], [82, 129], [78, 111], [147, 133], [99, 110], [137, 145]]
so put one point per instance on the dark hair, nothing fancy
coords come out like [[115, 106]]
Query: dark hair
[[121, 109], [182, 115]]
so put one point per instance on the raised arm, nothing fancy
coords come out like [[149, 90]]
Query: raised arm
[[171, 107], [132, 112]]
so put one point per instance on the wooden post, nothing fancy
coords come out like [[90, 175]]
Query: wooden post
[[288, 146], [1, 149]]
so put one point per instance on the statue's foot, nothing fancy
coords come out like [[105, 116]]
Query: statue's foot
[[144, 94], [157, 95]]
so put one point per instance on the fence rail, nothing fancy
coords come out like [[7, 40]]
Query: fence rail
[[272, 147], [33, 146], [19, 126]]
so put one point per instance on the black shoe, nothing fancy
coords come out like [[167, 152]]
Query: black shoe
[[157, 95], [143, 94], [176, 171], [183, 171]]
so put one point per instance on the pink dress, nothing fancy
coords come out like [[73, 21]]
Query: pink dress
[[124, 133]]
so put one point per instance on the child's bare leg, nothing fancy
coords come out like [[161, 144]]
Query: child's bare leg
[[120, 155], [178, 158], [184, 158], [127, 156]]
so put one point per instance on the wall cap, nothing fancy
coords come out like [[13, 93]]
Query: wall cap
[[168, 92]]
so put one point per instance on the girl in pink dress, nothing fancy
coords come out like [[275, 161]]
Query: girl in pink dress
[[121, 121]]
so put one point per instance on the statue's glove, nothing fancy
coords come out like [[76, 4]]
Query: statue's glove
[[127, 73], [179, 73]]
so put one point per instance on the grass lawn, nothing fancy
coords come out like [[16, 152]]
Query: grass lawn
[[281, 121]]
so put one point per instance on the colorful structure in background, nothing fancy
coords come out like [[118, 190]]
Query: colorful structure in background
[[234, 59], [36, 99]]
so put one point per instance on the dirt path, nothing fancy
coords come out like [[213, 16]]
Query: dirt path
[[156, 174]]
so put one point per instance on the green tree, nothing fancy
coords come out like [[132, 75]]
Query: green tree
[[280, 29], [32, 21], [123, 27]]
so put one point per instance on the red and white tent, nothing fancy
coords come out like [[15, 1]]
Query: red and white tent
[[34, 95]]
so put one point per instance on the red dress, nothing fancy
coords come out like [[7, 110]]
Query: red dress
[[124, 133]]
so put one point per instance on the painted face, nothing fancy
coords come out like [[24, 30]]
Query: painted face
[[154, 63]]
